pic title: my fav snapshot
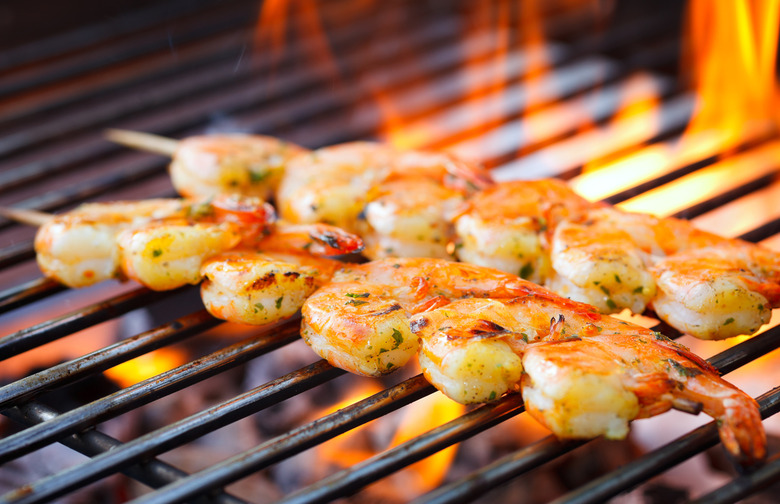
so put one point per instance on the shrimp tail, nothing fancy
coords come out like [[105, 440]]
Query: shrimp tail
[[741, 431], [330, 240]]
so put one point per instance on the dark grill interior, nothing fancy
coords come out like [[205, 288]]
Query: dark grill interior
[[178, 68]]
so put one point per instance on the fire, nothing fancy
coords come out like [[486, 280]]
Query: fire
[[424, 415], [733, 48], [730, 58], [365, 441], [146, 366]]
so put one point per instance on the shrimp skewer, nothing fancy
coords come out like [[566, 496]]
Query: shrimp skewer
[[359, 321], [579, 376], [399, 202], [612, 259], [253, 273], [160, 242], [207, 165]]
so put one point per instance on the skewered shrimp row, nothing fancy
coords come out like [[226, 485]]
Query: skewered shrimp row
[[481, 333], [399, 202], [700, 283], [254, 270]]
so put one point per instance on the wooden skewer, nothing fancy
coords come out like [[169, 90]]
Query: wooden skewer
[[143, 141], [26, 216]]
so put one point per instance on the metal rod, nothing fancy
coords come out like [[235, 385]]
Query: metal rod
[[292, 442], [105, 358], [348, 481], [144, 392], [56, 328], [153, 443], [28, 292], [744, 484], [152, 472]]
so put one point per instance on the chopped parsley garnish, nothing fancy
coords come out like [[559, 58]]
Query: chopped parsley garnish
[[279, 302], [617, 278], [156, 253], [492, 395], [257, 177], [728, 321], [355, 302], [361, 295], [611, 304], [397, 337], [639, 290], [526, 271]]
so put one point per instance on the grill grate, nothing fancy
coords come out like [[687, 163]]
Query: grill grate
[[178, 68]]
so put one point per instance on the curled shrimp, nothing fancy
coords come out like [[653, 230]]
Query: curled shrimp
[[209, 165], [719, 291], [613, 260], [270, 281], [399, 202], [359, 321], [508, 226], [580, 376], [159, 243]]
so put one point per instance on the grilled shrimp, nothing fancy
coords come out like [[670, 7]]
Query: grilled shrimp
[[160, 243], [719, 291], [603, 257], [250, 165], [581, 374], [79, 248], [271, 281], [360, 320], [507, 226], [398, 201]]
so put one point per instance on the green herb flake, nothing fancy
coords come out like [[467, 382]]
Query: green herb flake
[[686, 371], [639, 290], [611, 304], [355, 302], [397, 337], [257, 177], [526, 271], [728, 321], [361, 295], [156, 253], [604, 290], [259, 306], [279, 302], [524, 336], [492, 395], [617, 278]]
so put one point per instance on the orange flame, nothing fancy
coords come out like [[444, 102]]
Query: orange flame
[[733, 48], [146, 366]]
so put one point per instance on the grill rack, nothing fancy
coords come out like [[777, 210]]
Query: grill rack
[[641, 40]]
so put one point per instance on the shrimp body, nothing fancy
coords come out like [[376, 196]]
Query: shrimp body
[[507, 226], [80, 248], [359, 321], [581, 376], [160, 243], [167, 254], [720, 291], [580, 388], [256, 288], [250, 165], [396, 200]]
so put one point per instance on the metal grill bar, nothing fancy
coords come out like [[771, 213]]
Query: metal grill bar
[[293, 442], [203, 86], [121, 455], [152, 472], [745, 484], [51, 330]]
